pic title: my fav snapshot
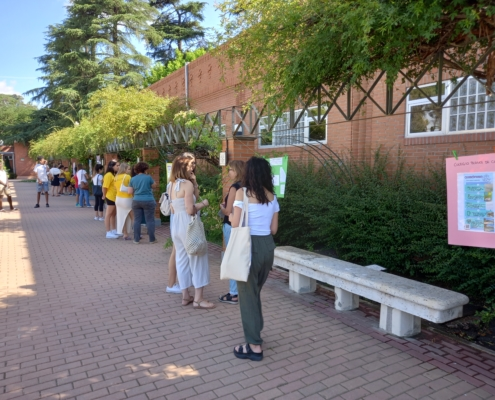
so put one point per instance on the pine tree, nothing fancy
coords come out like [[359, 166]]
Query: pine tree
[[180, 27], [92, 48]]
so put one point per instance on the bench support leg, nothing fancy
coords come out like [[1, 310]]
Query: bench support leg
[[300, 283], [345, 301], [399, 323]]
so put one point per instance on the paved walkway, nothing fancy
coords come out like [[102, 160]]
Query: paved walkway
[[84, 317]]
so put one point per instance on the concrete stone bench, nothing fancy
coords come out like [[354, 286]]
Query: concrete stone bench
[[403, 301]]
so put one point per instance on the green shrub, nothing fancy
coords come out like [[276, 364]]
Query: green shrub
[[382, 213], [210, 187]]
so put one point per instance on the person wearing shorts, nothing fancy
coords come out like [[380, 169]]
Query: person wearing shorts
[[5, 188], [67, 180], [55, 183], [109, 195], [61, 179], [42, 180]]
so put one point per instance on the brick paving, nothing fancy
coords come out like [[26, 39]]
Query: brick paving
[[82, 317]]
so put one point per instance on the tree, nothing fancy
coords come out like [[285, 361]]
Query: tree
[[159, 70], [114, 112], [289, 47], [179, 25], [91, 49], [13, 114]]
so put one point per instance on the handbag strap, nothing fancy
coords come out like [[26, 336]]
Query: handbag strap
[[245, 209]]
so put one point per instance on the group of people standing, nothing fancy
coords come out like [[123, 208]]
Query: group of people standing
[[57, 176], [193, 270], [128, 194]]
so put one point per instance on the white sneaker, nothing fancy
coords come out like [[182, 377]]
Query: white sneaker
[[101, 219], [114, 232], [96, 218], [174, 289], [110, 235]]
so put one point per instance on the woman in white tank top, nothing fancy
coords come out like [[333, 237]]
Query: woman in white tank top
[[263, 221], [191, 270]]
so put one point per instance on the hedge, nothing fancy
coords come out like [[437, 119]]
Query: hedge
[[382, 213]]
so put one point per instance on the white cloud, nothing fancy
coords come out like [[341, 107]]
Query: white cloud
[[8, 88]]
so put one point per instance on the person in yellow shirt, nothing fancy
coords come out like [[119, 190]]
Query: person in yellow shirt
[[123, 201], [109, 195], [67, 179], [72, 188]]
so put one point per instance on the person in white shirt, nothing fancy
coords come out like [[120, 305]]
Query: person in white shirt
[[42, 180], [5, 188], [55, 172], [263, 223], [83, 182]]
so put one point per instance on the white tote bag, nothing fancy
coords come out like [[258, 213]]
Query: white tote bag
[[237, 258]]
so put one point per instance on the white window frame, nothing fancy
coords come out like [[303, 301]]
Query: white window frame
[[447, 111], [223, 128], [303, 124]]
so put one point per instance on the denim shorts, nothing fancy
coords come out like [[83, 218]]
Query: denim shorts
[[43, 186]]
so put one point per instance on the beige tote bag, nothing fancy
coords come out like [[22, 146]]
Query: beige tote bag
[[237, 258], [196, 244]]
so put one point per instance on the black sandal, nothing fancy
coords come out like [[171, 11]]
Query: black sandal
[[249, 354], [228, 298]]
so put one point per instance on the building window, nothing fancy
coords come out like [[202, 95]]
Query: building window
[[468, 110], [306, 131], [221, 131]]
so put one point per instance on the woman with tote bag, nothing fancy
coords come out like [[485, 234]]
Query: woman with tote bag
[[263, 211], [123, 201], [192, 270]]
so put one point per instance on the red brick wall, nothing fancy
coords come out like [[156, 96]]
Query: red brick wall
[[23, 164], [360, 138]]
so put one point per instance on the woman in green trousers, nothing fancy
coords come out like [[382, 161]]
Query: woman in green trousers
[[263, 223]]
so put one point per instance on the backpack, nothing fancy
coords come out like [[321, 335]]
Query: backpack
[[165, 202], [97, 189]]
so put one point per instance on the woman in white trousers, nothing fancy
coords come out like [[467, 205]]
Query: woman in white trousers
[[192, 270], [123, 201]]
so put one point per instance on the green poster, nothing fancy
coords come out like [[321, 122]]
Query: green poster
[[279, 171]]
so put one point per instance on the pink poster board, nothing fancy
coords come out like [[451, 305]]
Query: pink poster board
[[470, 200]]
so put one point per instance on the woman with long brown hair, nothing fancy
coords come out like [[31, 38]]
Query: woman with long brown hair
[[174, 286], [263, 223], [192, 270]]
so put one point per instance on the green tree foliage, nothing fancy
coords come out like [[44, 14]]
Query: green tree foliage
[[40, 122], [159, 70], [114, 113], [13, 113], [180, 26], [288, 47], [382, 214], [92, 48]]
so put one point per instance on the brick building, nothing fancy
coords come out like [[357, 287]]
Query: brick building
[[17, 160], [421, 132]]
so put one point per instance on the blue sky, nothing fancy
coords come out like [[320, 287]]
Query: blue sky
[[22, 31]]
